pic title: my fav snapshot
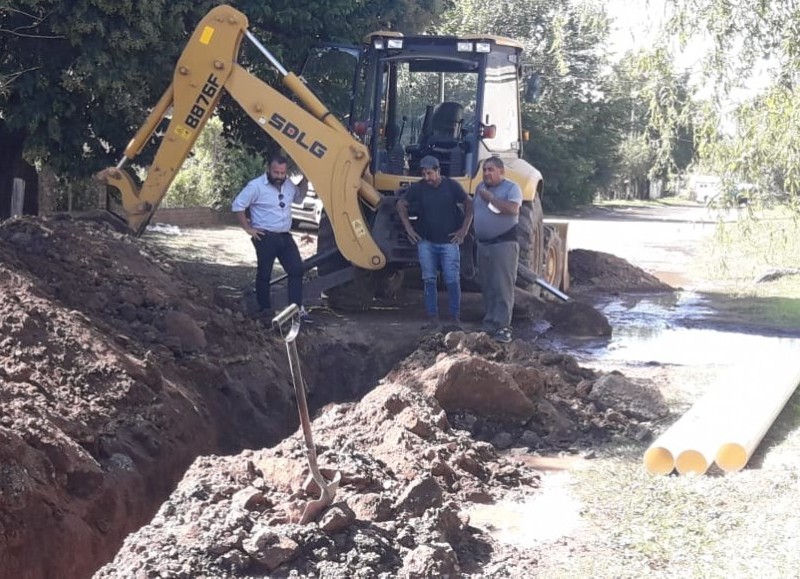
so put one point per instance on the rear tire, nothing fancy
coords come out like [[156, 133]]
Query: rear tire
[[530, 235], [353, 296]]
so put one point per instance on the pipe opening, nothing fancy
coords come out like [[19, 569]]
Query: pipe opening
[[731, 457], [658, 460], [691, 462]]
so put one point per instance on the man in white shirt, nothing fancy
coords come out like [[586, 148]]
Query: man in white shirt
[[269, 198]]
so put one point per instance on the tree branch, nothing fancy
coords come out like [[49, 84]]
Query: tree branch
[[37, 20], [20, 35], [7, 79]]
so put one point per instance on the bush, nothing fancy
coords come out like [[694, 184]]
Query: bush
[[215, 173]]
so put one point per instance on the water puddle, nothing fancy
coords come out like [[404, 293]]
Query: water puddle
[[544, 517], [668, 328]]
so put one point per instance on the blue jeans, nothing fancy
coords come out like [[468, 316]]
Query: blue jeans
[[432, 257]]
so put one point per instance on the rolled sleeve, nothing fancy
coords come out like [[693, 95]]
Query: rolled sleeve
[[243, 199]]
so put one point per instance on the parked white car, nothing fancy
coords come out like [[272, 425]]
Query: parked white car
[[309, 210]]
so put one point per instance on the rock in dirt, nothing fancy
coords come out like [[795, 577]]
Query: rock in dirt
[[639, 401], [577, 319], [472, 383]]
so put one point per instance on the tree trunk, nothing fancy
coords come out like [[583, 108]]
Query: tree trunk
[[11, 146], [48, 185]]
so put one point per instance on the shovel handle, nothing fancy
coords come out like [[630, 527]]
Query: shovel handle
[[285, 316], [291, 315]]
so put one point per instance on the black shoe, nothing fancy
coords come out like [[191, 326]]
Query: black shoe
[[432, 325], [264, 314], [503, 335]]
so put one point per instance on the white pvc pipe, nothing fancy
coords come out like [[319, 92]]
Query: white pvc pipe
[[771, 384], [676, 447], [729, 421]]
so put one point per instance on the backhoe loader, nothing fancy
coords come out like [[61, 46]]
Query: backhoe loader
[[455, 98]]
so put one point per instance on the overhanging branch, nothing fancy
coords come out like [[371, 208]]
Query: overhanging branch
[[20, 31]]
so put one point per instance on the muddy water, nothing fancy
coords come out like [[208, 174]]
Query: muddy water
[[671, 329], [681, 328]]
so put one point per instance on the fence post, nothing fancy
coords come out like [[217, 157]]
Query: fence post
[[17, 197]]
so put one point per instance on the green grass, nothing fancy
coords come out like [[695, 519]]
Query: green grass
[[747, 247], [753, 244], [743, 524]]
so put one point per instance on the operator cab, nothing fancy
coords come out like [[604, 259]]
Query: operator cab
[[440, 96], [454, 98]]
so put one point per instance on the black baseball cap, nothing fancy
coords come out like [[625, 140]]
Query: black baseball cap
[[429, 162]]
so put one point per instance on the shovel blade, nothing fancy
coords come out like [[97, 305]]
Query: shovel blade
[[315, 507]]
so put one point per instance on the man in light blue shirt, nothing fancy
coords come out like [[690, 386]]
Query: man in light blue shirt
[[269, 198], [496, 210]]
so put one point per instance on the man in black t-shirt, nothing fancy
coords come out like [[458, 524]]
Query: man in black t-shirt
[[440, 229]]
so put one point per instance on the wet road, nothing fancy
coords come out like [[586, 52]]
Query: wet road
[[683, 339], [661, 240]]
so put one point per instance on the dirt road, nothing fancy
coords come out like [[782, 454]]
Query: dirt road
[[664, 240]]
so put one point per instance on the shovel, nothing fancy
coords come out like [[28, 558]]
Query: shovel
[[291, 314]]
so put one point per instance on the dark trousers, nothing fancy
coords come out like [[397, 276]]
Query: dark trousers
[[497, 264], [282, 246]]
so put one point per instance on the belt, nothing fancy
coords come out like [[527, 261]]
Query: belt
[[495, 240], [510, 235]]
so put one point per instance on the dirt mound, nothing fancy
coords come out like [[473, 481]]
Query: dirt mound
[[119, 369], [598, 271], [117, 372], [519, 395], [411, 466], [405, 476]]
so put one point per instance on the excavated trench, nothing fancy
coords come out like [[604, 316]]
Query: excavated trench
[[119, 370]]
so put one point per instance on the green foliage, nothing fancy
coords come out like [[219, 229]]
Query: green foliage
[[215, 172], [654, 110], [755, 140], [77, 77], [573, 133]]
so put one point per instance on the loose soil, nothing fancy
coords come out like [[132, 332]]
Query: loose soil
[[126, 362]]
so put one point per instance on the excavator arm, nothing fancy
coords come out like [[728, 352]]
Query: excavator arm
[[318, 143]]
